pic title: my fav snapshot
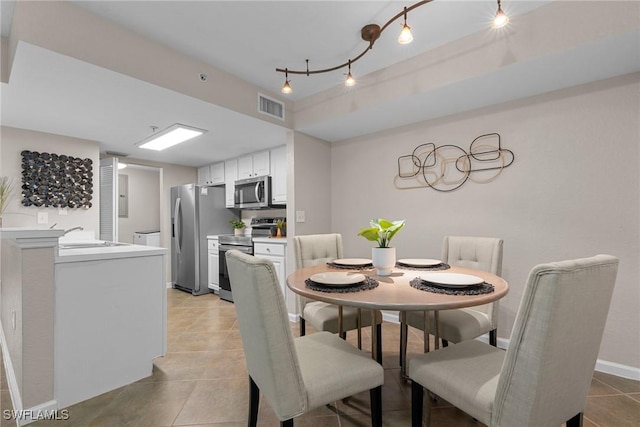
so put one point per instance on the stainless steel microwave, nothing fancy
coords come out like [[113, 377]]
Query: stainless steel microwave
[[253, 193]]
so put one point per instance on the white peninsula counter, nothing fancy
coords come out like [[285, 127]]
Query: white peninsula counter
[[78, 322]]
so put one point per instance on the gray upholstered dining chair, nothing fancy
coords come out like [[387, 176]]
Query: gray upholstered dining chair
[[315, 249], [295, 375], [479, 253], [544, 376]]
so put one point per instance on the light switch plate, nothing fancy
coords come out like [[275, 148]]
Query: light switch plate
[[300, 216], [43, 217]]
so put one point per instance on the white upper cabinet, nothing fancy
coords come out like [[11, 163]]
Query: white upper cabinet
[[279, 175], [203, 175], [211, 174], [252, 165], [216, 174], [261, 165], [230, 177]]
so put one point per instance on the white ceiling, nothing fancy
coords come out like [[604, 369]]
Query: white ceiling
[[54, 93]]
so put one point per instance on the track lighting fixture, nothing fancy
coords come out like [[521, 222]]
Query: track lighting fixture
[[370, 33]]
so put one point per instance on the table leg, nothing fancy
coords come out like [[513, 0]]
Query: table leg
[[359, 329], [404, 330], [376, 339], [436, 327], [340, 325], [426, 331]]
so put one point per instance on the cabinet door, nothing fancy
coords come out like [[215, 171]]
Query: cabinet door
[[203, 175], [216, 172], [230, 177], [245, 167], [214, 271], [261, 164], [279, 175]]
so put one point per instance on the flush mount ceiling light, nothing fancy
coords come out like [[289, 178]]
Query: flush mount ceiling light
[[174, 134], [370, 33]]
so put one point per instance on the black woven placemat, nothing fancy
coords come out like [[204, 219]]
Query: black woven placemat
[[441, 266], [367, 284], [483, 288], [350, 267]]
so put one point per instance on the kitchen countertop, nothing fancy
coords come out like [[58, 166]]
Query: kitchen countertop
[[107, 252]]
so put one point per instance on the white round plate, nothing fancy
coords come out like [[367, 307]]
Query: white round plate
[[452, 279], [338, 278], [419, 262], [352, 262]]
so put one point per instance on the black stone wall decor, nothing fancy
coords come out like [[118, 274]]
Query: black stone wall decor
[[59, 181]]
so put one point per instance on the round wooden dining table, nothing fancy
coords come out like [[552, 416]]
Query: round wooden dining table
[[394, 292]]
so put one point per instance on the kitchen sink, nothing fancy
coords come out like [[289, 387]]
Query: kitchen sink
[[90, 244]]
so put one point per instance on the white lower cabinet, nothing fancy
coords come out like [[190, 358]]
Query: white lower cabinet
[[214, 265], [276, 252]]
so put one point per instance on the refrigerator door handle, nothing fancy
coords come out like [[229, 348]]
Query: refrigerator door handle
[[177, 224]]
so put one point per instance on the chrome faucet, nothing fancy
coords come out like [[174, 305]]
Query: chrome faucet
[[72, 229]]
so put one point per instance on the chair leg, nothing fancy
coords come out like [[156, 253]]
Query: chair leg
[[343, 335], [303, 328], [254, 400], [417, 396], [376, 406], [445, 343], [493, 337], [575, 421], [287, 423]]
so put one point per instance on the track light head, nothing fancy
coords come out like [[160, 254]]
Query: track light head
[[501, 19]]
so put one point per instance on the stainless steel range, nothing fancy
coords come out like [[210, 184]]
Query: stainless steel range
[[260, 227]]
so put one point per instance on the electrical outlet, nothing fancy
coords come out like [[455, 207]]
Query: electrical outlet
[[62, 211], [43, 218], [300, 216]]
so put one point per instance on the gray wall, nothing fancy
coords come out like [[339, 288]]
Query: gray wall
[[572, 192]]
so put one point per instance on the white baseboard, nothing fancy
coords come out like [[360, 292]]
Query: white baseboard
[[603, 366], [618, 370], [44, 411], [169, 285], [12, 382], [294, 318]]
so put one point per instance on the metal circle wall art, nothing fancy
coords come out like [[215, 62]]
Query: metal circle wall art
[[447, 167], [59, 181]]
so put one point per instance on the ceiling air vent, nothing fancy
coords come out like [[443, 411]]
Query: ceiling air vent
[[270, 107]]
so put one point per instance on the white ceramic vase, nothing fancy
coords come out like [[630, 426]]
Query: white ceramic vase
[[238, 231], [383, 259]]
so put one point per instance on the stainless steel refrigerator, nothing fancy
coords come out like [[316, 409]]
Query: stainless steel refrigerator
[[195, 213]]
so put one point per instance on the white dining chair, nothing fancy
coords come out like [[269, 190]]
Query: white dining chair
[[544, 376], [478, 253], [316, 249], [295, 375]]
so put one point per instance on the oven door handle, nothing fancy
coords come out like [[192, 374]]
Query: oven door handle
[[243, 249]]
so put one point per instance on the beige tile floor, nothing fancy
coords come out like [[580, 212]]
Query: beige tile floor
[[202, 381]]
